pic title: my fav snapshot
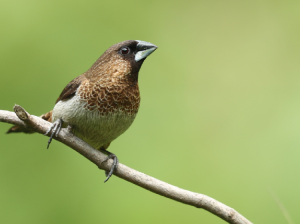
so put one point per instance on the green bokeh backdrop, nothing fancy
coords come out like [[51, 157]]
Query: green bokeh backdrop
[[220, 110]]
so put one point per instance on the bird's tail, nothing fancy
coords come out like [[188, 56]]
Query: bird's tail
[[16, 129]]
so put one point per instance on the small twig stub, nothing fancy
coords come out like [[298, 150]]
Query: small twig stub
[[21, 113]]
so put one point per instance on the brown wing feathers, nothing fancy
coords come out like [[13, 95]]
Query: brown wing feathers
[[71, 88]]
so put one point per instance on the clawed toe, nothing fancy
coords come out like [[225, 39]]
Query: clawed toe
[[114, 166], [55, 129]]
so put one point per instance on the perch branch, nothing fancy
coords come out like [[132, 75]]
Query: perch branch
[[36, 124]]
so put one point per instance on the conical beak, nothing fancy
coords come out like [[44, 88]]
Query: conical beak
[[144, 50]]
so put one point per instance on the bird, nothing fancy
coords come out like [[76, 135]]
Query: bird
[[102, 103]]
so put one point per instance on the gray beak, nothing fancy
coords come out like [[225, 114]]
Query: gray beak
[[144, 49]]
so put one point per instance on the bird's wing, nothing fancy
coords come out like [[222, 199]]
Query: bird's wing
[[70, 90]]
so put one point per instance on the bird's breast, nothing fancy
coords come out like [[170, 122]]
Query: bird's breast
[[108, 97], [99, 114]]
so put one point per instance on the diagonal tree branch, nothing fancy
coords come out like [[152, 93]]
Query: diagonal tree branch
[[36, 124]]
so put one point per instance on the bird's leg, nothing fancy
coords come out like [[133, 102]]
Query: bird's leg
[[114, 165], [55, 129], [70, 128]]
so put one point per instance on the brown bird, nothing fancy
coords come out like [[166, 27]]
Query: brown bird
[[102, 103]]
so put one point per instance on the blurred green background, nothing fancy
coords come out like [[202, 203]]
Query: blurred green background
[[220, 110]]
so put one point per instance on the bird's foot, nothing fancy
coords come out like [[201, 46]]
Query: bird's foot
[[114, 165], [55, 129]]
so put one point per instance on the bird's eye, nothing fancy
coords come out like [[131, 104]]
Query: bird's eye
[[125, 50]]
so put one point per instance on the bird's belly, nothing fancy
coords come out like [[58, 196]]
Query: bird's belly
[[89, 125]]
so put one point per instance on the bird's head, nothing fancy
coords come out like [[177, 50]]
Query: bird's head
[[123, 59]]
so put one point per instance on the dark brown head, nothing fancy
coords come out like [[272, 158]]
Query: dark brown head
[[122, 60]]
